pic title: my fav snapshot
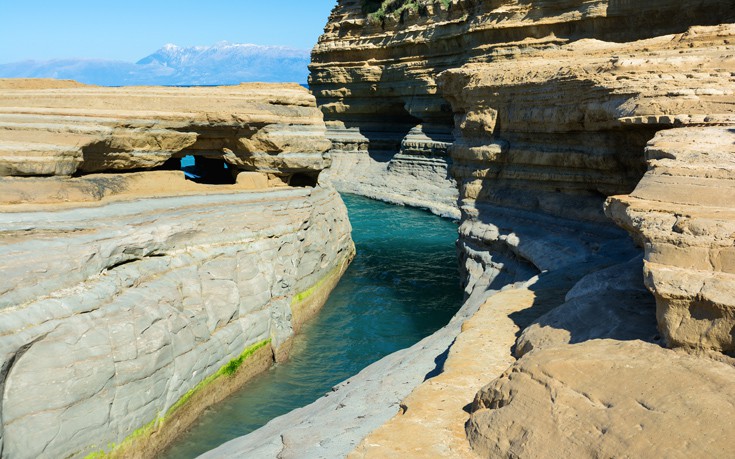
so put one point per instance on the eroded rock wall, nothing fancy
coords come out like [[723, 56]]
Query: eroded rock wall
[[557, 132], [268, 128], [574, 125], [131, 300], [683, 213], [112, 314], [542, 113], [375, 79], [596, 107]]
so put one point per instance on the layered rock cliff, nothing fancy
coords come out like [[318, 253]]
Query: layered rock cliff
[[130, 298], [563, 129], [375, 79], [269, 128], [550, 115]]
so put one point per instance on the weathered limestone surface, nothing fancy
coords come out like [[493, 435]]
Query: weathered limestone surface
[[130, 301], [683, 211], [610, 303], [607, 398], [336, 423], [272, 128], [111, 314], [556, 131], [375, 80], [547, 116]]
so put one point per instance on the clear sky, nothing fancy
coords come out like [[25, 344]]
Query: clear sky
[[132, 29]]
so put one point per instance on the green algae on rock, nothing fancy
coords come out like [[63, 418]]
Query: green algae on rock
[[155, 436]]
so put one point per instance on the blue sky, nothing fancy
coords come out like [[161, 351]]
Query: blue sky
[[131, 29]]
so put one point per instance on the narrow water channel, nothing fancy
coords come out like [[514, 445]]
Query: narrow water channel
[[402, 286]]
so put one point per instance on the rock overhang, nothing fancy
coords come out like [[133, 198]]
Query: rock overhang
[[74, 131]]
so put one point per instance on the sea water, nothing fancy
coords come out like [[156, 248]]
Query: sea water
[[402, 286]]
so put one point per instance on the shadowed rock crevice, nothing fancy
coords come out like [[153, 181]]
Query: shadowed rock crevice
[[213, 171], [439, 361]]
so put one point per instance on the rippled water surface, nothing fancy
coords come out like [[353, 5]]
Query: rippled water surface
[[402, 286]]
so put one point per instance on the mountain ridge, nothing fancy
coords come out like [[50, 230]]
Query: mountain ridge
[[223, 63]]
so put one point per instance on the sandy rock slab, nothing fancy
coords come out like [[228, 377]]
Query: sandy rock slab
[[56, 128], [605, 398], [611, 303], [430, 422]]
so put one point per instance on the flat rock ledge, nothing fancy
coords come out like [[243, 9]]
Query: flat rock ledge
[[132, 299], [607, 398], [63, 131]]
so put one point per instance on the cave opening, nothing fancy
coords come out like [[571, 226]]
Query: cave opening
[[207, 170], [304, 179]]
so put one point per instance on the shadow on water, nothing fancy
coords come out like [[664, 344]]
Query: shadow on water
[[402, 286]]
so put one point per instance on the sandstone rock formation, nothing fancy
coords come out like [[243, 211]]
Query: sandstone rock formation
[[132, 300], [607, 399], [555, 121], [375, 79], [684, 213], [611, 99], [269, 128]]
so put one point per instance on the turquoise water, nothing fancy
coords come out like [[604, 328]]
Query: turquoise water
[[402, 286]]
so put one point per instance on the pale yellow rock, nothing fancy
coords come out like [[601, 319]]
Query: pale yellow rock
[[683, 210], [26, 192], [63, 128], [432, 418], [252, 180], [607, 398]]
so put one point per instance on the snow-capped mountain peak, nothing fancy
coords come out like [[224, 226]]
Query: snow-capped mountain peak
[[221, 63]]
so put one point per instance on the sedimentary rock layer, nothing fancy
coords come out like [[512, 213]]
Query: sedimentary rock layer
[[271, 128], [557, 131], [554, 109], [130, 298], [111, 314], [683, 211], [554, 132], [375, 78], [589, 416]]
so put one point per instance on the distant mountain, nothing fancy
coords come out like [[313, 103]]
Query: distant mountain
[[223, 63]]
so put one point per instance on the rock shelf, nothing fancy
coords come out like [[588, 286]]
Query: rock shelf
[[132, 299]]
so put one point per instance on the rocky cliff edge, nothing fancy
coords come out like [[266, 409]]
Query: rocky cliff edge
[[132, 298], [589, 145]]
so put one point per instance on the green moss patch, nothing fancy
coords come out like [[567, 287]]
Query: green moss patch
[[300, 297], [227, 370]]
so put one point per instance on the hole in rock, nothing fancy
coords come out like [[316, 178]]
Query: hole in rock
[[210, 171], [304, 179]]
